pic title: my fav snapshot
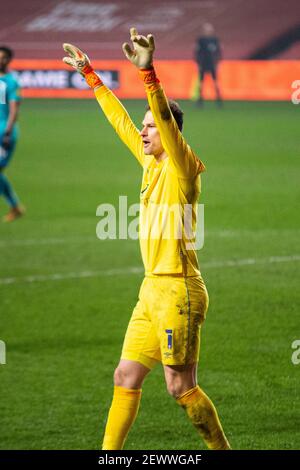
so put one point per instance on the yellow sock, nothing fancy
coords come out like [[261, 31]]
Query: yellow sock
[[122, 413], [204, 417]]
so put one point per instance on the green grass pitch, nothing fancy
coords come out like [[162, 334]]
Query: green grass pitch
[[64, 333]]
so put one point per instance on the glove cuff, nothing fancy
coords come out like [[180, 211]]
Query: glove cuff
[[149, 78], [92, 79], [87, 69]]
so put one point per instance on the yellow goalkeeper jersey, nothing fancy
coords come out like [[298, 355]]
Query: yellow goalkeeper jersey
[[169, 190]]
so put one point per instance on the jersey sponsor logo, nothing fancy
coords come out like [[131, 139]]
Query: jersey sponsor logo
[[143, 190], [3, 88]]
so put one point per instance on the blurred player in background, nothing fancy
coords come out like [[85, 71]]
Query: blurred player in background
[[208, 55], [173, 300], [9, 107]]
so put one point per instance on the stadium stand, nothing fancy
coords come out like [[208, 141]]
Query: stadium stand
[[248, 29]]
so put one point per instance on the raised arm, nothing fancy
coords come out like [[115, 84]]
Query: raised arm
[[185, 162], [111, 106], [183, 158]]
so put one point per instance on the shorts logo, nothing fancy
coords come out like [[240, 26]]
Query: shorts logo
[[170, 338]]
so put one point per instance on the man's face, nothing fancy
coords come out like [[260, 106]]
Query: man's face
[[4, 61], [208, 29], [150, 136]]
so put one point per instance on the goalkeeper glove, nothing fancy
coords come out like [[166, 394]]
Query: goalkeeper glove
[[143, 48], [80, 62]]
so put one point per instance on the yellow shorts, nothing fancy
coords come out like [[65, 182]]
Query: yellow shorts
[[165, 324]]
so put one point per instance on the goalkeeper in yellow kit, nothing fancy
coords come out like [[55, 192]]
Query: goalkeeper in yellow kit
[[165, 324]]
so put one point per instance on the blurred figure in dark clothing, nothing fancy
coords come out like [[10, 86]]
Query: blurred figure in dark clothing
[[208, 54]]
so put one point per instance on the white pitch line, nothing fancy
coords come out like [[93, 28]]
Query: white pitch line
[[250, 261], [93, 238], [46, 241], [139, 270], [71, 275]]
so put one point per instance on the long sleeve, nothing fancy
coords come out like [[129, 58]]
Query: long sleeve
[[120, 121], [186, 163]]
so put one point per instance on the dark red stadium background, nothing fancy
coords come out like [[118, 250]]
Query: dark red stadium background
[[260, 39]]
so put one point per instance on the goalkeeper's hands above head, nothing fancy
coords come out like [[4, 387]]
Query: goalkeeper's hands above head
[[143, 48], [142, 57], [77, 59], [80, 62]]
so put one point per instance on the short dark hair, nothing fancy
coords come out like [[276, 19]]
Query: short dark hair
[[8, 51], [176, 111]]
